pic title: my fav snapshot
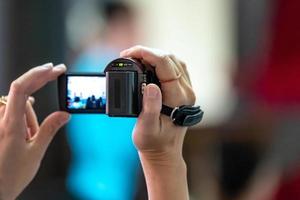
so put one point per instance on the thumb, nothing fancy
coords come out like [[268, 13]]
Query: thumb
[[152, 101], [49, 128]]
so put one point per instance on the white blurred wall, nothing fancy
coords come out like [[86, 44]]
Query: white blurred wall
[[201, 32]]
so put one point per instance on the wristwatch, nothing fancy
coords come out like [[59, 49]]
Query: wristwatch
[[183, 115]]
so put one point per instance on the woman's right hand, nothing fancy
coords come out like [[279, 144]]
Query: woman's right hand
[[158, 140], [155, 132]]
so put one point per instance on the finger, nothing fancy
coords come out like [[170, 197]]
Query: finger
[[27, 84], [31, 100], [48, 129], [3, 105], [164, 67], [31, 120], [152, 102], [182, 68], [2, 110]]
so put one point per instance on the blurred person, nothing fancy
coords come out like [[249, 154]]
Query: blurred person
[[92, 134], [158, 141]]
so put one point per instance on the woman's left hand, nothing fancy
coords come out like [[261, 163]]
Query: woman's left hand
[[23, 141]]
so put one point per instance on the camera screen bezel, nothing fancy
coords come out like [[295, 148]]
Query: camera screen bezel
[[62, 88]]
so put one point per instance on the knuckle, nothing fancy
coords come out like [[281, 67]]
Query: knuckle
[[189, 96], [138, 46], [151, 112], [183, 65], [192, 97], [16, 87], [164, 57]]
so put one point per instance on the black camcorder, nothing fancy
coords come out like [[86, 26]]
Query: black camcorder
[[118, 92], [125, 82]]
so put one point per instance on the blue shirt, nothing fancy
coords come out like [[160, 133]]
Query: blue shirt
[[104, 161]]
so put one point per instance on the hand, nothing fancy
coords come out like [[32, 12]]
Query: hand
[[156, 133], [157, 139], [22, 141]]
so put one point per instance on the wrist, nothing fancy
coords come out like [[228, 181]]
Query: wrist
[[162, 158], [166, 175]]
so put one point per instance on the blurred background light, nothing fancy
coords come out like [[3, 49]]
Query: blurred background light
[[202, 34]]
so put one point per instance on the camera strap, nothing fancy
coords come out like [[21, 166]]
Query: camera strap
[[183, 115]]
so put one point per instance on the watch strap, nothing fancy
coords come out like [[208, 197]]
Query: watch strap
[[183, 115]]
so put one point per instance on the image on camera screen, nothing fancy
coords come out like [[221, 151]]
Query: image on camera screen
[[86, 92]]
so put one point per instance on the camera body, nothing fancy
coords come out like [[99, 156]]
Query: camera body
[[118, 92], [126, 79]]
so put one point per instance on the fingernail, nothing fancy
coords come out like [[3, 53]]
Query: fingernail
[[60, 68], [48, 65], [31, 100], [66, 118], [152, 92]]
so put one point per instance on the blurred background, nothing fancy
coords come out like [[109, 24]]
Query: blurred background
[[244, 61]]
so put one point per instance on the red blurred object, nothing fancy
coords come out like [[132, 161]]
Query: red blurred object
[[279, 83], [289, 188]]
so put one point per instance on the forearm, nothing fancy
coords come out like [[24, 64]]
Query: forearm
[[166, 178]]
